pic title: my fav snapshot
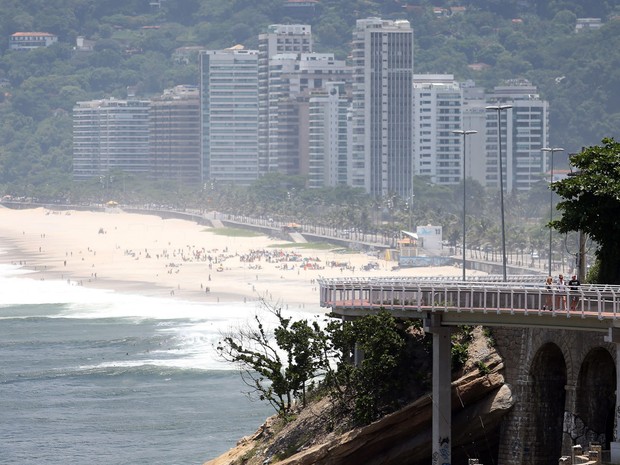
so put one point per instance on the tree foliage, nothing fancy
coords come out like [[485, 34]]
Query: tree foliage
[[280, 364], [374, 385], [277, 364], [591, 203], [369, 366]]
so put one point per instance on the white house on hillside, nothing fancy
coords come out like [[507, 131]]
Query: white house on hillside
[[31, 40]]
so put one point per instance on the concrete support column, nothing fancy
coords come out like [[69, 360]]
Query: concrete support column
[[442, 390], [570, 409], [614, 336]]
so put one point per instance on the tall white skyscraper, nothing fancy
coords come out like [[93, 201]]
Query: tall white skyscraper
[[290, 39], [437, 112], [382, 118], [229, 106]]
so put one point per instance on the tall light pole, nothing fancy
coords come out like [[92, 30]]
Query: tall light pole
[[411, 194], [464, 134], [551, 150], [499, 109]]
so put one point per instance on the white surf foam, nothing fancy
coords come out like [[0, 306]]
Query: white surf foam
[[196, 328]]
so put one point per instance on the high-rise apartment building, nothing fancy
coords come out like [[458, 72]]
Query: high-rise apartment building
[[442, 105], [110, 135], [174, 137], [279, 39], [229, 105], [524, 130], [437, 112], [292, 78], [382, 139], [329, 136], [474, 117]]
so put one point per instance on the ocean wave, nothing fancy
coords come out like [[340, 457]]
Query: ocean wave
[[131, 369], [31, 311], [156, 333]]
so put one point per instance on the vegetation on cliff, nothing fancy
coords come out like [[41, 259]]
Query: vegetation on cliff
[[323, 432], [367, 367], [287, 363]]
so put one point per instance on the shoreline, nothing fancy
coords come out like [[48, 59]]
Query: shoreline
[[147, 255]]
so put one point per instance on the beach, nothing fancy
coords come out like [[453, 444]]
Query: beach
[[178, 259]]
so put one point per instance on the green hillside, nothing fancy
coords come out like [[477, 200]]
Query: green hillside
[[579, 73]]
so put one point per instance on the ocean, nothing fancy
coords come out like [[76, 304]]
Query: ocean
[[90, 376]]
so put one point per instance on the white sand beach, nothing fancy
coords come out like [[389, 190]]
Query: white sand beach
[[144, 254]]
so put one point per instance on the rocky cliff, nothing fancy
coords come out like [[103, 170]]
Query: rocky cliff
[[480, 399]]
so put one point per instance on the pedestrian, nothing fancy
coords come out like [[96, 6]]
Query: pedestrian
[[573, 285], [561, 299], [548, 287]]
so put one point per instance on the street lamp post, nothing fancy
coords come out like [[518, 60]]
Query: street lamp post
[[411, 194], [551, 150], [464, 133], [498, 109]]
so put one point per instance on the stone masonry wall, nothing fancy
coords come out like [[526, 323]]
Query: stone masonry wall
[[521, 348]]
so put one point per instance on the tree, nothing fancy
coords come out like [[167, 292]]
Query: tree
[[592, 204], [277, 365], [373, 387], [305, 345]]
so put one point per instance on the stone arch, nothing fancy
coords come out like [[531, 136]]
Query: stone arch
[[548, 377], [596, 399], [563, 340]]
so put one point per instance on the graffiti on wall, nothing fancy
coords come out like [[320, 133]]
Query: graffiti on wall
[[579, 432], [442, 456]]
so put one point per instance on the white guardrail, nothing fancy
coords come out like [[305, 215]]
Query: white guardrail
[[525, 294]]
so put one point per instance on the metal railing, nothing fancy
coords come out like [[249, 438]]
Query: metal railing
[[439, 294], [498, 279]]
